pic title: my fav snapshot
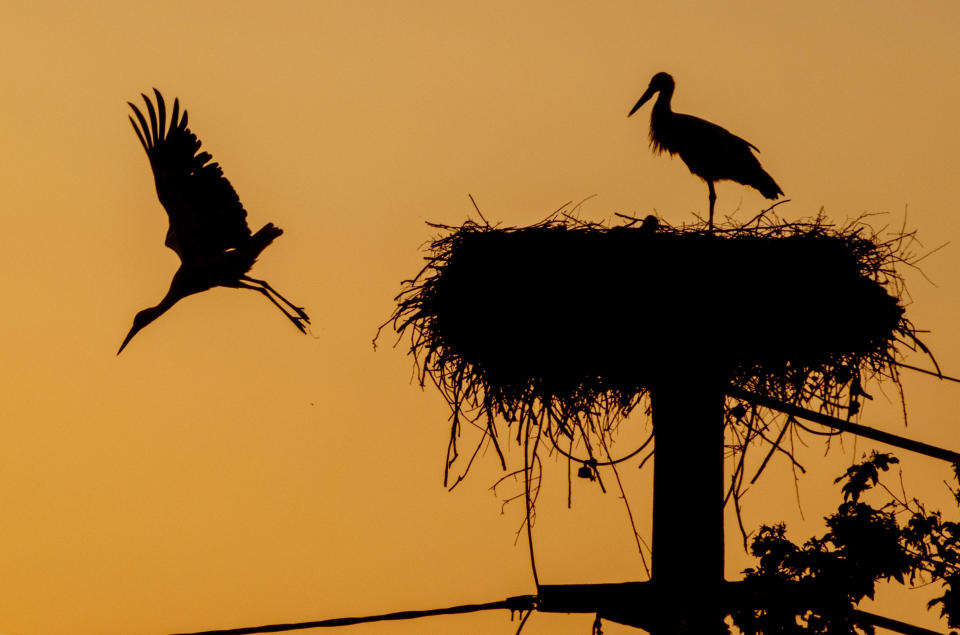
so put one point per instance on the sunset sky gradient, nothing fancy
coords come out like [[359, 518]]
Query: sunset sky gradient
[[228, 471]]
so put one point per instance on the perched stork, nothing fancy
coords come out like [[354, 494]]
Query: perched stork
[[711, 152], [208, 225]]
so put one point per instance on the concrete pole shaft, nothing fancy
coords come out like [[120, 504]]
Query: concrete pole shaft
[[688, 488]]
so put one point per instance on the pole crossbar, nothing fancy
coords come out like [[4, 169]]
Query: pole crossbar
[[846, 426]]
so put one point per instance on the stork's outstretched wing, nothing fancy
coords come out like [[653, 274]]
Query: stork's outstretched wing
[[206, 215]]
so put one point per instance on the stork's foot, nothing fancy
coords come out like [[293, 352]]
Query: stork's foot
[[301, 320], [301, 313], [300, 323], [298, 315]]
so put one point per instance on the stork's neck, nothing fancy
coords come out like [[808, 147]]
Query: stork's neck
[[181, 286], [174, 295], [145, 317], [662, 105]]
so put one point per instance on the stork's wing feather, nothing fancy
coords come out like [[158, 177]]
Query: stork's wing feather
[[205, 213], [713, 152], [708, 133]]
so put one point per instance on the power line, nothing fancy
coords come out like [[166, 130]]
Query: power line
[[934, 373], [573, 598], [892, 625], [847, 426], [519, 603]]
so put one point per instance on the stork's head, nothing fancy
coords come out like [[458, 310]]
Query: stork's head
[[661, 82]]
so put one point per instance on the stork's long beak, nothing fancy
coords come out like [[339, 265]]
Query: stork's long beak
[[141, 320], [133, 331], [646, 96]]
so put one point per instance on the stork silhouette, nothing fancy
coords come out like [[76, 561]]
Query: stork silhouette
[[711, 152], [208, 226]]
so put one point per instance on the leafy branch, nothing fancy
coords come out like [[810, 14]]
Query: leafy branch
[[863, 545]]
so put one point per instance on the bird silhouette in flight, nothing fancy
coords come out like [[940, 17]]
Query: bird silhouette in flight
[[208, 224], [711, 152]]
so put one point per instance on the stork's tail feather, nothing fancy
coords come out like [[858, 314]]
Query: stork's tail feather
[[264, 236], [766, 185]]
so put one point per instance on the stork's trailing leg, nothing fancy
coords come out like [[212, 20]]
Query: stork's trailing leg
[[297, 309], [298, 319], [713, 199]]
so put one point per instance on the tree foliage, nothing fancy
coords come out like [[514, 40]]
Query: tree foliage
[[863, 545]]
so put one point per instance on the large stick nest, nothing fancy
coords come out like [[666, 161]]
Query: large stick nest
[[569, 323]]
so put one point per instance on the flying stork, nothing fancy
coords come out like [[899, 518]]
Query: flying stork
[[711, 152], [208, 224]]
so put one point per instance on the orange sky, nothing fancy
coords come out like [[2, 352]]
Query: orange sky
[[228, 471]]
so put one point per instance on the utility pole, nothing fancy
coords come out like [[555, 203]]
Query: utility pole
[[687, 558]]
